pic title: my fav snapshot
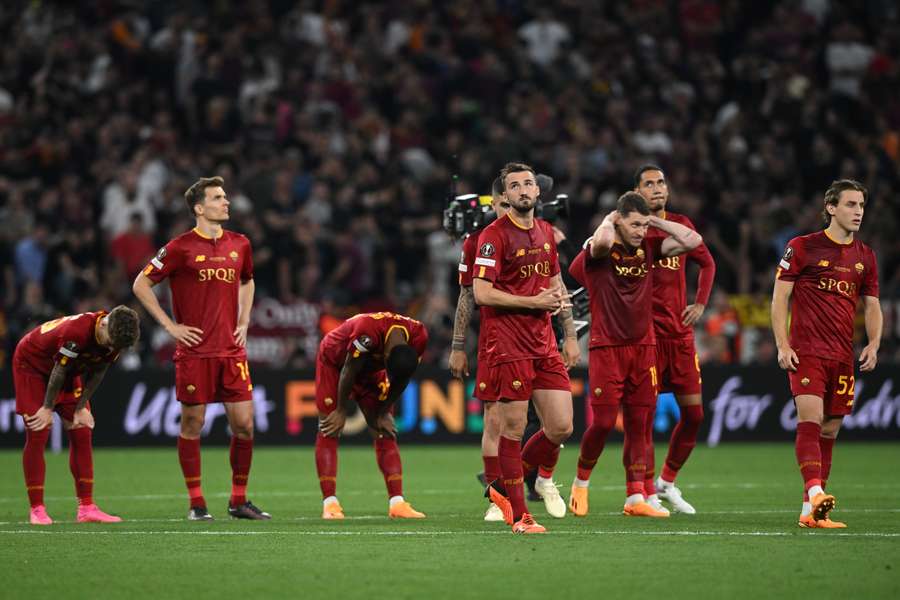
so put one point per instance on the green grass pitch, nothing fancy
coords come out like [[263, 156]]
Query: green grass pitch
[[744, 543]]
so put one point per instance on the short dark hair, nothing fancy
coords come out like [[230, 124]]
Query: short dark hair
[[512, 167], [643, 169], [197, 192], [123, 326], [496, 187], [401, 363], [833, 195], [630, 202]]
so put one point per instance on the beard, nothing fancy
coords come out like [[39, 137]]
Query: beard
[[523, 206]]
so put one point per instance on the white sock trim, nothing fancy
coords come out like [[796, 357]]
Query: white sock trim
[[815, 491], [395, 500], [329, 500], [581, 483], [806, 509]]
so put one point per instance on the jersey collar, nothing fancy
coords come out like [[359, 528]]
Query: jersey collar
[[517, 224], [206, 237], [828, 235]]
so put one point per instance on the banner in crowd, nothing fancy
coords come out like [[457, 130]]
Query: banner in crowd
[[741, 404]]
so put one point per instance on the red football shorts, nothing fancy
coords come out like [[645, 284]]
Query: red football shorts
[[482, 381], [208, 380], [516, 380], [31, 389], [831, 380], [623, 374], [369, 391], [678, 366]]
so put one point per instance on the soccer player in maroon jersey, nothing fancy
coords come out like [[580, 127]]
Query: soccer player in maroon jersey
[[518, 285], [615, 267], [57, 367], [822, 276], [459, 362], [210, 272], [368, 360], [677, 363]]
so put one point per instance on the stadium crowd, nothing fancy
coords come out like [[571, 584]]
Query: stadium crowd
[[338, 125]]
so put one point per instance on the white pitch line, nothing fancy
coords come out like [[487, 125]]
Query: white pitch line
[[425, 492], [474, 516], [450, 533]]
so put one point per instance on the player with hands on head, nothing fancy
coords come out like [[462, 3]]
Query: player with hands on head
[[615, 267]]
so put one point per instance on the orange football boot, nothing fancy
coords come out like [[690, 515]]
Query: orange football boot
[[578, 501], [527, 524], [808, 522], [642, 509], [502, 503], [404, 510], [333, 510], [821, 506]]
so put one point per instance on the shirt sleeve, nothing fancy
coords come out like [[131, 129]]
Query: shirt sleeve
[[247, 265], [870, 279], [707, 264], [489, 258], [166, 261], [467, 260], [576, 269], [792, 261], [554, 251], [364, 338]]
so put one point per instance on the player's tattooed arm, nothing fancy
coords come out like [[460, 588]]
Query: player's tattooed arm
[[570, 351], [44, 415], [464, 307], [459, 362]]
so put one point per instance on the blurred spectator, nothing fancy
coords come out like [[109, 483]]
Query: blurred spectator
[[338, 126], [132, 248]]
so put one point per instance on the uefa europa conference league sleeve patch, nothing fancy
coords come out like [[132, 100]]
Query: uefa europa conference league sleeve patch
[[363, 343], [785, 262], [157, 261], [487, 250]]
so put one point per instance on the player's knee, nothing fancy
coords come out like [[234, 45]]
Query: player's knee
[[243, 429], [559, 432], [191, 425]]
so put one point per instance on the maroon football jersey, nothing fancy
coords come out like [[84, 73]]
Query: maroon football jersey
[[467, 260], [669, 287], [621, 291], [518, 261], [205, 275], [366, 333], [828, 279], [70, 340]]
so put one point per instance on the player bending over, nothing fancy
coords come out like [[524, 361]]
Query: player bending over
[[57, 367], [369, 361]]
